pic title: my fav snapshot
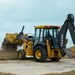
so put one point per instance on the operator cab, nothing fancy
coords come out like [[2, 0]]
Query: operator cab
[[47, 32]]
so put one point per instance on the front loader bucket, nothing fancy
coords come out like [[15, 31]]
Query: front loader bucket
[[9, 42], [69, 52]]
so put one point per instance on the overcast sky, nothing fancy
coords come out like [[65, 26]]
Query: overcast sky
[[16, 13]]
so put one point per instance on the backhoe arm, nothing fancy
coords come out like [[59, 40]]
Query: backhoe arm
[[71, 27], [68, 24]]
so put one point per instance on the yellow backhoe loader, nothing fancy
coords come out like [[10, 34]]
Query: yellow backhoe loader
[[48, 42], [40, 46]]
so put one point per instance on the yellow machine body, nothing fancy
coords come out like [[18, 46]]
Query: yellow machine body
[[27, 46], [52, 53]]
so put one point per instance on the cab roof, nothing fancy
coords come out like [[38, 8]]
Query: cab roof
[[47, 26]]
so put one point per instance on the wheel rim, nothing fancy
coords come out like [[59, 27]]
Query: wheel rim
[[19, 54], [38, 54]]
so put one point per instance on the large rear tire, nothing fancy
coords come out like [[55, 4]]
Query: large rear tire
[[40, 54], [21, 54]]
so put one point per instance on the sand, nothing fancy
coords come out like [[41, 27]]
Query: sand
[[8, 54]]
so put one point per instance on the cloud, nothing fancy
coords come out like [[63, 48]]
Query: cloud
[[36, 11], [16, 13]]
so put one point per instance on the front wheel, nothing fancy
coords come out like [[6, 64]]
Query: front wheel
[[40, 54], [21, 54]]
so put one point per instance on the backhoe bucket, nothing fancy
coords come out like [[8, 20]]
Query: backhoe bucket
[[69, 52]]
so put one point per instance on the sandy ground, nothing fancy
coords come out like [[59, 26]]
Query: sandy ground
[[65, 73], [8, 66], [30, 67]]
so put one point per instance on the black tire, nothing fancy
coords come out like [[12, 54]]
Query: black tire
[[43, 56], [55, 59], [21, 54]]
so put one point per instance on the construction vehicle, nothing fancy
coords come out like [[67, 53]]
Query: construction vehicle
[[9, 41], [38, 46], [48, 42]]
